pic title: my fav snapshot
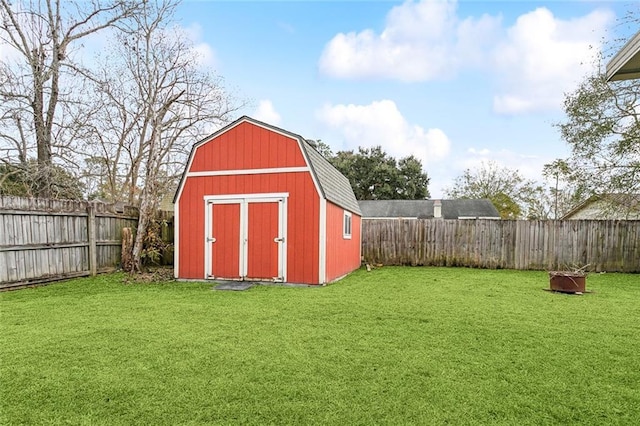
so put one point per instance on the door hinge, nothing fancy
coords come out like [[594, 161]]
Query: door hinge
[[278, 279]]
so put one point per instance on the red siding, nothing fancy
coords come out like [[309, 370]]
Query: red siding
[[263, 250], [248, 146], [343, 255], [226, 250], [302, 217]]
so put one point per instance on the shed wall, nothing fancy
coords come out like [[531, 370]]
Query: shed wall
[[247, 146], [343, 255], [302, 219]]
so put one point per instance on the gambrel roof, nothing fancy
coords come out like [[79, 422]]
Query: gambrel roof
[[332, 184], [335, 185]]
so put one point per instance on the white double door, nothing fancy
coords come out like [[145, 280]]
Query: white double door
[[246, 237]]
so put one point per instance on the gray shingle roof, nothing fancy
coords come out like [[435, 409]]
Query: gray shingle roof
[[335, 185], [423, 209]]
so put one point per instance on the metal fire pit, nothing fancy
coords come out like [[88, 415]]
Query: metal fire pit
[[568, 282]]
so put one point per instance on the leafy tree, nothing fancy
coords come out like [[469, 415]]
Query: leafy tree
[[375, 175], [511, 194], [25, 179], [413, 181], [323, 148], [563, 191], [602, 127], [539, 204]]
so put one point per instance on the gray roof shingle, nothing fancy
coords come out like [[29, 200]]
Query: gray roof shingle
[[335, 185], [423, 209]]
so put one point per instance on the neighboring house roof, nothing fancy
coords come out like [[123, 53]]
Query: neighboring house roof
[[625, 65], [333, 185], [607, 206], [424, 209]]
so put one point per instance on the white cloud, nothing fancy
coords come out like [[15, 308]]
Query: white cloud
[[542, 57], [421, 41], [381, 123], [206, 54], [530, 166], [533, 62], [444, 174], [267, 113]]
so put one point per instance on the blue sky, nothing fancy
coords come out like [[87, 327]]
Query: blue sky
[[454, 83]]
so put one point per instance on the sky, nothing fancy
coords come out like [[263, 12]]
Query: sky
[[455, 83]]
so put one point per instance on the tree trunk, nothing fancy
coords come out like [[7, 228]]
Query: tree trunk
[[127, 246], [146, 199], [43, 138], [143, 225]]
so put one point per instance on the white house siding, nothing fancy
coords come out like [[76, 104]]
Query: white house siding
[[600, 210]]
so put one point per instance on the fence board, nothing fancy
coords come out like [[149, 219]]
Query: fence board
[[46, 240], [606, 245]]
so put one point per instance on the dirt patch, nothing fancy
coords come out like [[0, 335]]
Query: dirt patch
[[151, 275]]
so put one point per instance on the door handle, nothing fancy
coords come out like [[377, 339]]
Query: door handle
[[211, 240], [278, 240]]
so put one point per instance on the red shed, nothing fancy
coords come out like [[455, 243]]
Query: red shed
[[257, 202]]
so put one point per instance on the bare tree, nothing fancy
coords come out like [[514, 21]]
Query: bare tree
[[40, 37], [155, 101], [510, 192]]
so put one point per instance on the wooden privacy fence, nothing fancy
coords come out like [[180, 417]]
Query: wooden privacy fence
[[46, 240], [606, 245]]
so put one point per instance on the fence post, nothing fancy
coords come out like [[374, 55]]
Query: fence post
[[91, 230]]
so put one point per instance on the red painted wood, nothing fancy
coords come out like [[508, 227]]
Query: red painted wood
[[247, 146], [225, 261], [302, 213], [191, 231], [262, 262], [343, 255]]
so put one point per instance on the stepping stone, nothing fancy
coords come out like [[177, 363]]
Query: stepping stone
[[233, 285]]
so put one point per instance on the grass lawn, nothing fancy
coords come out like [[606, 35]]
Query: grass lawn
[[392, 346]]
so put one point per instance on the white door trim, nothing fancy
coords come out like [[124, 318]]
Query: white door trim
[[243, 200], [208, 233], [322, 240], [176, 239]]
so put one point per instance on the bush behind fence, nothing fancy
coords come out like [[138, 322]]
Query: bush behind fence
[[605, 245]]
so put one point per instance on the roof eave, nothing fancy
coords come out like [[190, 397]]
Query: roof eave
[[625, 65]]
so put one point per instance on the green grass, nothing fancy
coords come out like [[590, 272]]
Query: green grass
[[393, 346]]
